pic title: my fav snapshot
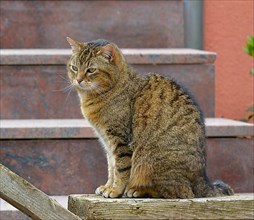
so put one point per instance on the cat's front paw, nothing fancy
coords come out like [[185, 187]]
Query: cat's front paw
[[101, 189], [109, 192]]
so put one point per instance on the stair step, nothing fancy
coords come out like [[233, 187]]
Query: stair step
[[239, 206], [132, 55], [80, 128], [32, 80], [40, 150], [46, 24]]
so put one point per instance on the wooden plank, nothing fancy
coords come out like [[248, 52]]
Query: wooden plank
[[5, 206], [30, 200], [239, 206], [80, 128]]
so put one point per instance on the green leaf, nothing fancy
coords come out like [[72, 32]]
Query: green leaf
[[252, 72], [244, 120], [249, 48], [250, 109], [246, 49], [250, 39]]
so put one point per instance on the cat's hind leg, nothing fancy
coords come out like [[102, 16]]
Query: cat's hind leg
[[142, 192], [140, 183], [175, 188]]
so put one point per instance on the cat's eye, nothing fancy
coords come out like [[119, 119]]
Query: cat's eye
[[91, 70], [74, 68]]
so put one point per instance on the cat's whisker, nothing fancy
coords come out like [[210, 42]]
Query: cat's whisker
[[65, 89], [69, 92], [99, 90], [92, 91], [61, 79], [64, 78]]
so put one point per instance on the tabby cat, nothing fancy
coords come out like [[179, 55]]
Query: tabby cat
[[152, 130]]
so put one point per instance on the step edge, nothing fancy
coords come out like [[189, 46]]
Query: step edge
[[132, 55], [80, 128]]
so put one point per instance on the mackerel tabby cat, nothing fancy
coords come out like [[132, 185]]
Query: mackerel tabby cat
[[151, 129]]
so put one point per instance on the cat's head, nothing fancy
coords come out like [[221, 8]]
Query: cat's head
[[95, 66]]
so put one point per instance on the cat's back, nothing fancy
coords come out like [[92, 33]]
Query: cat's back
[[163, 107]]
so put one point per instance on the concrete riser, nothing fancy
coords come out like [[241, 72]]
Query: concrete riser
[[36, 91], [63, 167], [130, 24]]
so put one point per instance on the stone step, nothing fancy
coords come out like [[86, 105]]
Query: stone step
[[80, 128], [32, 80], [46, 24], [40, 150]]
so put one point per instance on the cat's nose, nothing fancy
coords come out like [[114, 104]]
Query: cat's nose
[[79, 80]]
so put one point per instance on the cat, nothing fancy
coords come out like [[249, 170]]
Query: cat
[[151, 129]]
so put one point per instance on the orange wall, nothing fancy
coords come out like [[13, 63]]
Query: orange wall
[[226, 25]]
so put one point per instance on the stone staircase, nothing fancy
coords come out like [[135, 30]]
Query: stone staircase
[[44, 138], [33, 80]]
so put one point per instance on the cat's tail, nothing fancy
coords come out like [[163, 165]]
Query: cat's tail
[[205, 188], [219, 188]]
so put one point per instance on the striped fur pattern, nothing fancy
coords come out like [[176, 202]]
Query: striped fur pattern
[[152, 130]]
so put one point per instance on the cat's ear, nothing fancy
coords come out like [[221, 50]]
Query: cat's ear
[[108, 52], [75, 45]]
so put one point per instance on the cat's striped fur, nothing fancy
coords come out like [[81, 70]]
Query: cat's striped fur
[[152, 130]]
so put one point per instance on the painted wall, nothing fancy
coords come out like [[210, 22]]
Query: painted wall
[[226, 25]]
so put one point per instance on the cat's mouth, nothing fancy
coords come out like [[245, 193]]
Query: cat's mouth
[[86, 86], [83, 85]]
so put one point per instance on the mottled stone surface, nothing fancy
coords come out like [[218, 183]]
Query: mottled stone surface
[[58, 167], [80, 128], [62, 167], [231, 160], [132, 56], [132, 24], [40, 92], [46, 129], [13, 215], [221, 127]]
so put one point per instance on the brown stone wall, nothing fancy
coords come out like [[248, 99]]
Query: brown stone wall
[[130, 24], [59, 167], [231, 160], [38, 92], [63, 167]]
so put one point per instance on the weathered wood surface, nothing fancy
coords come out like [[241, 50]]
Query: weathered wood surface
[[30, 200], [239, 206]]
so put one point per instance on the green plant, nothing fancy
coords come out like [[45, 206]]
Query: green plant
[[249, 49]]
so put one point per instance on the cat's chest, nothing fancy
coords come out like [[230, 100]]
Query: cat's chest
[[111, 121]]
